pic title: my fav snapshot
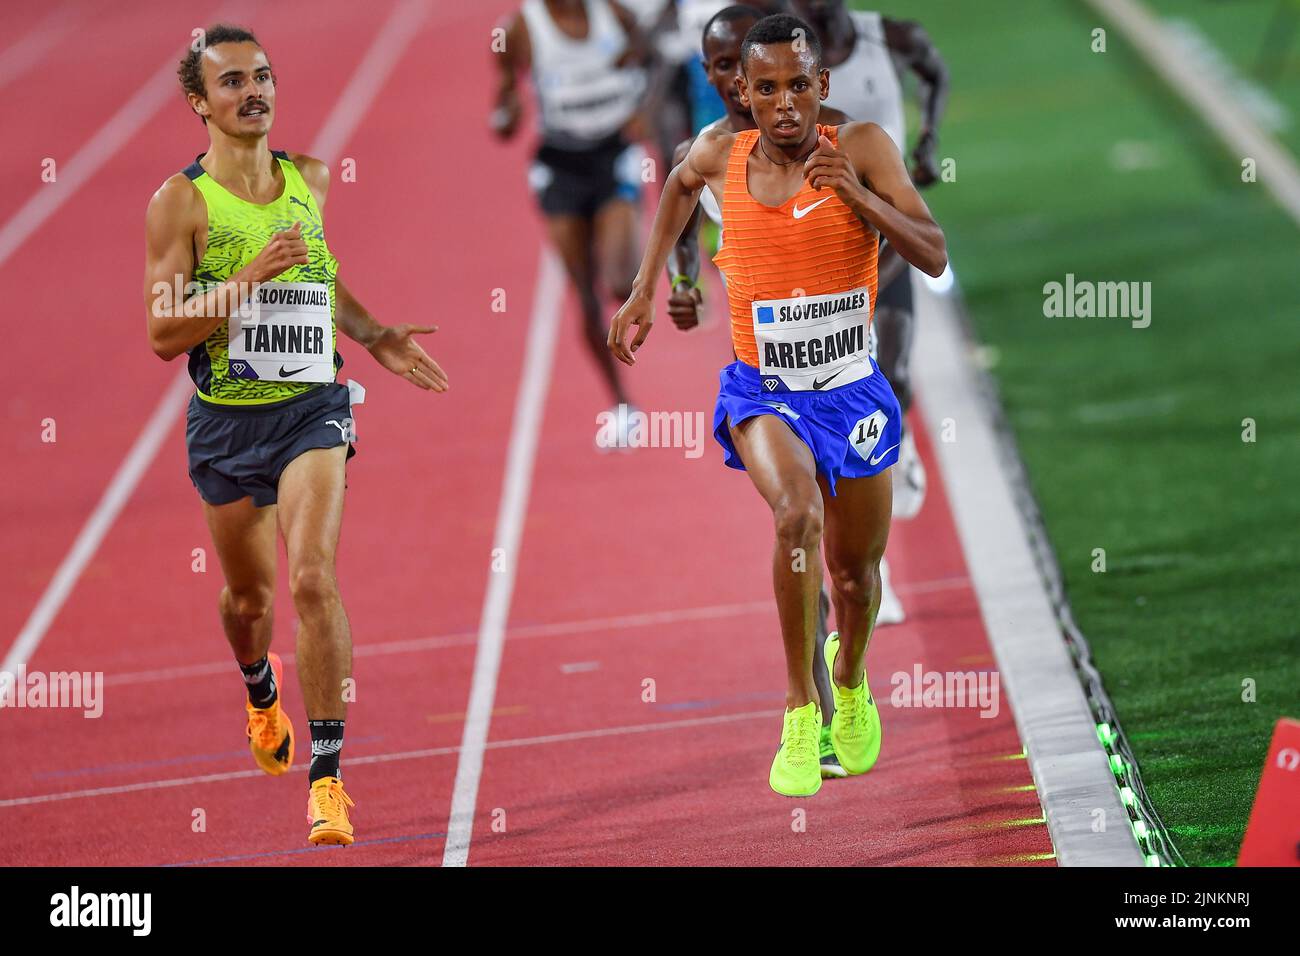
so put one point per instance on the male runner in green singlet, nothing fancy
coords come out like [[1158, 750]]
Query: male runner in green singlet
[[269, 429]]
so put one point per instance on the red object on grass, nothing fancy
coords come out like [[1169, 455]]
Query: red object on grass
[[1273, 831]]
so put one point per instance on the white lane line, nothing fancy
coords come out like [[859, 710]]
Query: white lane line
[[463, 638], [98, 150], [1275, 166], [369, 78], [392, 757], [87, 161], [101, 519], [555, 629], [347, 112], [530, 404], [29, 49]]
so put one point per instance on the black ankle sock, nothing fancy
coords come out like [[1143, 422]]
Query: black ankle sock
[[326, 744], [260, 679]]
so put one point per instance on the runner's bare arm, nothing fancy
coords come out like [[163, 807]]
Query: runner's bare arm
[[909, 40], [639, 52], [707, 159], [514, 57], [391, 346], [890, 263], [868, 175], [176, 216], [684, 298]]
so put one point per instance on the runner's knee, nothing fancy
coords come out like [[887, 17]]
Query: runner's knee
[[312, 583], [247, 605], [798, 522]]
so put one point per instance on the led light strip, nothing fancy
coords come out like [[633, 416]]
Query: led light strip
[[1148, 830]]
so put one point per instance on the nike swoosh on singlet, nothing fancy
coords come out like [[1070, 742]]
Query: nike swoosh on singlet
[[284, 374], [800, 213], [817, 386], [877, 459]]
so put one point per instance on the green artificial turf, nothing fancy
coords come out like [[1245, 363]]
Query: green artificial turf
[[1070, 161]]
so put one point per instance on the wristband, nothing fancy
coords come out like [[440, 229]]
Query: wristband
[[681, 277]]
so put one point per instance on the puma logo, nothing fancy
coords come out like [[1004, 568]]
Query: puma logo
[[347, 430]]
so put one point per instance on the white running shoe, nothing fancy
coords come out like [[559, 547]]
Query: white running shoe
[[891, 608], [909, 480]]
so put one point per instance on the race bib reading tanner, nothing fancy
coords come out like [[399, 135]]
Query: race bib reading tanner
[[289, 337], [813, 342]]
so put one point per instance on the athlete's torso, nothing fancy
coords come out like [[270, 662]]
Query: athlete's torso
[[865, 87], [287, 347], [582, 96], [801, 280]]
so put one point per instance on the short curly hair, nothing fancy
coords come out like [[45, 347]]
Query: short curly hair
[[780, 28], [191, 68]]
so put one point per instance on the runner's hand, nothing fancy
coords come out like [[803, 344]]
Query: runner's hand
[[684, 306], [285, 250], [396, 351], [638, 310], [637, 128], [505, 118], [926, 171], [827, 167]]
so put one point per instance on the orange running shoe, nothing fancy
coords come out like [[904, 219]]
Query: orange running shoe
[[270, 734], [327, 812]]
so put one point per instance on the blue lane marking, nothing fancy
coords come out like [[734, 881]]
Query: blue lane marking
[[307, 849]]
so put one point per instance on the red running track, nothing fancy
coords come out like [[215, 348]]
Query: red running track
[[648, 564]]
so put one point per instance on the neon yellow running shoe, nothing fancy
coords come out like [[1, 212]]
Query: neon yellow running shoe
[[796, 769], [855, 726], [831, 769]]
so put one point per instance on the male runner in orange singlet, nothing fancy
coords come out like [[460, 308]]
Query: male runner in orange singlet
[[803, 409]]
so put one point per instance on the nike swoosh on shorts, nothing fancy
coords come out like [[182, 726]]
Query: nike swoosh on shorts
[[877, 459]]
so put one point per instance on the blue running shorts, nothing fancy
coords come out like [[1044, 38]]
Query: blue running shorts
[[852, 431]]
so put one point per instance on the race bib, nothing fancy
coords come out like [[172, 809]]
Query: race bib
[[288, 338], [813, 342]]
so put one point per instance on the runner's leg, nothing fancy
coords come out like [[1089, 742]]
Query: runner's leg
[[617, 229], [244, 536], [311, 514], [782, 469], [573, 237], [857, 528]]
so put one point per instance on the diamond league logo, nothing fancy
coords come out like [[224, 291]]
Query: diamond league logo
[[770, 384]]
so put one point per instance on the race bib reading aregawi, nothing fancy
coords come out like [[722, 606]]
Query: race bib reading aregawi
[[288, 338], [813, 342]]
